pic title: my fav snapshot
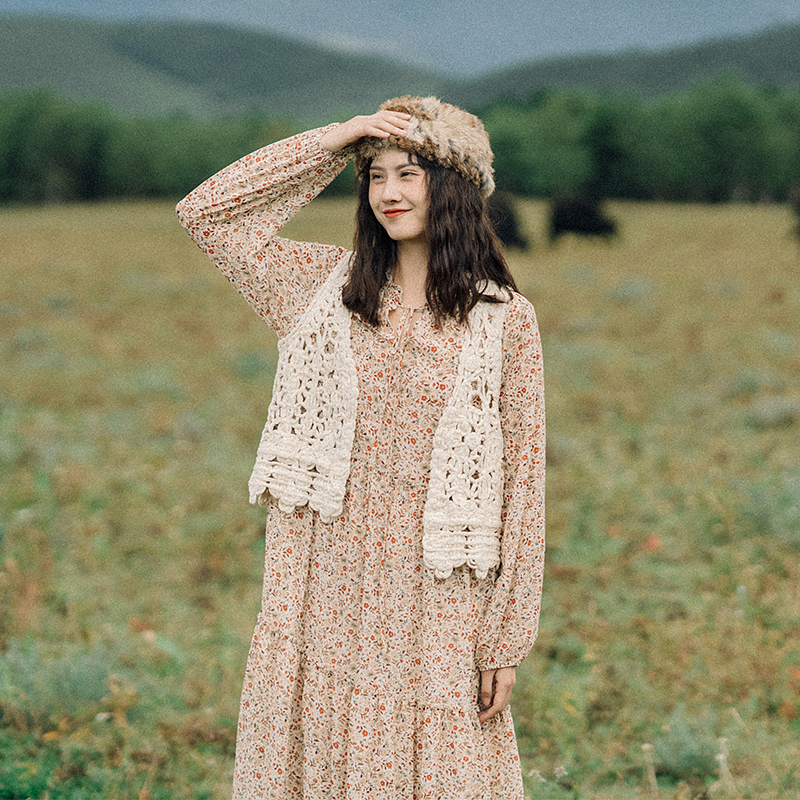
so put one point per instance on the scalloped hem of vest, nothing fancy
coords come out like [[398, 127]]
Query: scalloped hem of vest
[[265, 497]]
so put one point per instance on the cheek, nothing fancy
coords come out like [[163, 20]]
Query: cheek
[[374, 206], [373, 198], [422, 197], [422, 204]]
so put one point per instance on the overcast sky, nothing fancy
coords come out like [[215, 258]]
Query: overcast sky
[[462, 38]]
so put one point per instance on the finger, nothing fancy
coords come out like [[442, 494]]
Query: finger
[[501, 700], [489, 713], [393, 118], [385, 132], [394, 115], [487, 688], [388, 127], [504, 680]]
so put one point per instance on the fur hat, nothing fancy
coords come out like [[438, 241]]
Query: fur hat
[[439, 132]]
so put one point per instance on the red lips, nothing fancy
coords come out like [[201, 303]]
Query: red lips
[[394, 212]]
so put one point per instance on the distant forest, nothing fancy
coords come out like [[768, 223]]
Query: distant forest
[[720, 140]]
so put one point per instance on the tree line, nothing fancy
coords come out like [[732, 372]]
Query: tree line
[[717, 141]]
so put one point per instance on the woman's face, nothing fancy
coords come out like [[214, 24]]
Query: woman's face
[[398, 195]]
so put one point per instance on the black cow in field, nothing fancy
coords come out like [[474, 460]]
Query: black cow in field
[[581, 215], [503, 215]]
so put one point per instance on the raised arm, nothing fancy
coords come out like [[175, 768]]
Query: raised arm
[[234, 215]]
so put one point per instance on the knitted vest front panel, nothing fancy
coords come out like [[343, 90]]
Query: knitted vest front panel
[[305, 449], [304, 454], [462, 518]]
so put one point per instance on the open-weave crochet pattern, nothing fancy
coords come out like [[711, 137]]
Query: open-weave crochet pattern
[[304, 454], [463, 509], [305, 449]]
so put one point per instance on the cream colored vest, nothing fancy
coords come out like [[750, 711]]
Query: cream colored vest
[[304, 455]]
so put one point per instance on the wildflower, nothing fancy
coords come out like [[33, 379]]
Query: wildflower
[[534, 773]]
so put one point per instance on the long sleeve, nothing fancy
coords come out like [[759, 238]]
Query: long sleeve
[[234, 215], [512, 619]]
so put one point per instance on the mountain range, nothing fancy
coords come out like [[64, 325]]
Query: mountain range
[[201, 69]]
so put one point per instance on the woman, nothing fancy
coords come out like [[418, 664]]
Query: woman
[[402, 465]]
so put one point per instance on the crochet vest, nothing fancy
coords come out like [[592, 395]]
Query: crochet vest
[[304, 454]]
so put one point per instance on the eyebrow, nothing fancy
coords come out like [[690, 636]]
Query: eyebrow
[[408, 163]]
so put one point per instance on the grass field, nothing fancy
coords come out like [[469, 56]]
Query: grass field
[[134, 385]]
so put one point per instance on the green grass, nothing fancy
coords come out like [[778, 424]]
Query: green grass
[[134, 386]]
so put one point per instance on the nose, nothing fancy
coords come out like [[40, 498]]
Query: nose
[[391, 191]]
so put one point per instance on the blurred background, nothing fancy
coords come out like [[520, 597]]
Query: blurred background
[[647, 158]]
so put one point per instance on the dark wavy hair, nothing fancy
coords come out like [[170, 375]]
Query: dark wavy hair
[[463, 248]]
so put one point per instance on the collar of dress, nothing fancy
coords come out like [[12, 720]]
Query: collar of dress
[[304, 454]]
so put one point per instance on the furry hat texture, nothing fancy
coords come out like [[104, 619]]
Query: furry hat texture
[[440, 132]]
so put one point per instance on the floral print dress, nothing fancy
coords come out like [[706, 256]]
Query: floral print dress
[[363, 673]]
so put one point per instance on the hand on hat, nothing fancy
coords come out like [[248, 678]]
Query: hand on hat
[[382, 124]]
